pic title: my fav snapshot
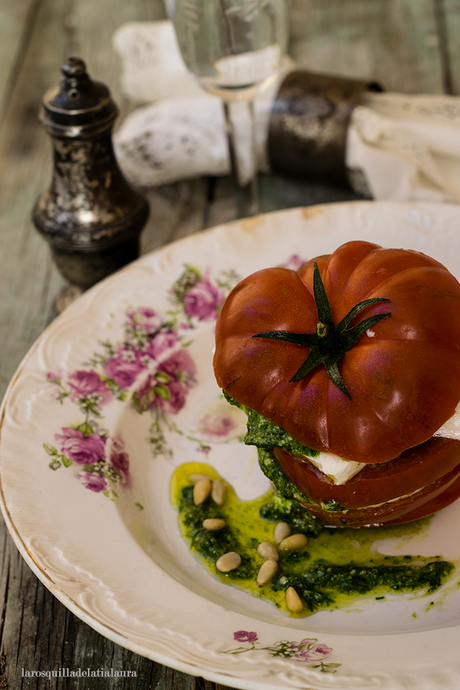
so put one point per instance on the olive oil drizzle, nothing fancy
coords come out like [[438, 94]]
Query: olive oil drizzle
[[337, 566]]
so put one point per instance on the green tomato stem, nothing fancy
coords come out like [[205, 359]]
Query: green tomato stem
[[330, 342]]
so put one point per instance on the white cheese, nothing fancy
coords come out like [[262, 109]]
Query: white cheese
[[451, 428], [335, 467], [340, 470]]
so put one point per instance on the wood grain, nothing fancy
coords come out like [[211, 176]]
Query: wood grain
[[16, 22], [37, 632], [392, 41], [449, 20]]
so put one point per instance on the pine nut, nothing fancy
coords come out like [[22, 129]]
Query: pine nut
[[293, 543], [293, 601], [267, 551], [194, 478], [213, 524], [218, 492], [282, 530], [201, 491], [229, 561], [266, 572]]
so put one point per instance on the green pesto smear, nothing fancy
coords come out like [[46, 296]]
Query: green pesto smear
[[335, 568]]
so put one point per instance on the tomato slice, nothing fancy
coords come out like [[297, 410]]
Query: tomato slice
[[414, 469], [426, 502], [436, 502], [382, 491]]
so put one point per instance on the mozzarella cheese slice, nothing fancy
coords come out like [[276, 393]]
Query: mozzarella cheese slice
[[451, 428], [335, 467], [341, 471]]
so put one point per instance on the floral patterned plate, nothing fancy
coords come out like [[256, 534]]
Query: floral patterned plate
[[119, 391]]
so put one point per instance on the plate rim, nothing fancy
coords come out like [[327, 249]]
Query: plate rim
[[222, 677]]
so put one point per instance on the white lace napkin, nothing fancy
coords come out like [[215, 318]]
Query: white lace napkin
[[407, 147]]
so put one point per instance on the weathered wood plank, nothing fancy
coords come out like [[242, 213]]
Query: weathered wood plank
[[176, 211], [392, 41], [16, 18], [90, 26], [275, 192], [450, 24], [443, 46], [288, 192], [37, 632], [25, 162]]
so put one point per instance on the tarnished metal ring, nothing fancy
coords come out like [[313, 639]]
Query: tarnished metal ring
[[308, 125]]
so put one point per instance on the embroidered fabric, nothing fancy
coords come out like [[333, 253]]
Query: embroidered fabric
[[179, 132], [408, 146], [399, 147], [181, 138]]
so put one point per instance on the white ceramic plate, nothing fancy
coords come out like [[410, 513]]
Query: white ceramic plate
[[99, 530]]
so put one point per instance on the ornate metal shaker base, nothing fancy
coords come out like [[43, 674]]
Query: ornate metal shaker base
[[90, 216]]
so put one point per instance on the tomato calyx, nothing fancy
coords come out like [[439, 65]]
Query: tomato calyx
[[330, 341]]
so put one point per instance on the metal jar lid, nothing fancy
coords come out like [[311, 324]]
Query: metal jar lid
[[77, 107]]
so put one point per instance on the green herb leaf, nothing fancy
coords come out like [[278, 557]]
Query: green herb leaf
[[330, 342]]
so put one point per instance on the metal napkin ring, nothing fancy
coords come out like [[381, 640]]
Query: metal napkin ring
[[308, 125]]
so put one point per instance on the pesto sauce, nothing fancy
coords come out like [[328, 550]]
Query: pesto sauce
[[264, 434], [284, 487], [323, 574]]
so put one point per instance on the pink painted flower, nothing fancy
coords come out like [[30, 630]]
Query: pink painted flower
[[85, 383], [168, 397], [310, 650], [180, 364], [203, 300], [177, 396], [245, 636], [81, 449], [217, 426], [93, 481], [163, 341], [167, 388], [125, 367], [56, 391], [144, 318], [119, 460], [145, 396]]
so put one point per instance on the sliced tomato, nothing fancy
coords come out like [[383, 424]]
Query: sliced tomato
[[418, 483], [414, 469], [437, 501], [428, 501]]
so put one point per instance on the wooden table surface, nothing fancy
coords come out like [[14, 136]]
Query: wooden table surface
[[408, 45]]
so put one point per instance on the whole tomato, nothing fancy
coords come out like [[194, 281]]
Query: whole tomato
[[390, 391]]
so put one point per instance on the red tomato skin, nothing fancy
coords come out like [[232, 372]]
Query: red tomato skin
[[434, 504], [428, 500], [415, 469], [444, 492], [403, 375]]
